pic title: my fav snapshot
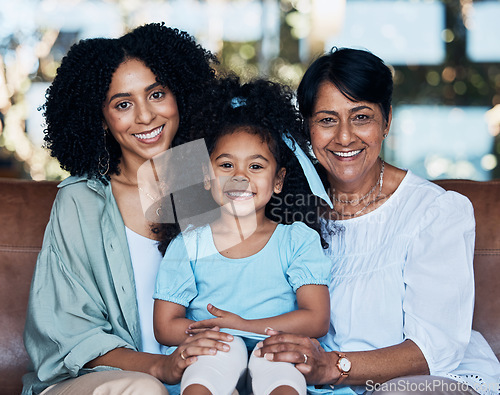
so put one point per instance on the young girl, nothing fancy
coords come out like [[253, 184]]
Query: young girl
[[254, 263]]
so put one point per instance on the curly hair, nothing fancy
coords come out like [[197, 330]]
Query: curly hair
[[74, 131], [265, 109]]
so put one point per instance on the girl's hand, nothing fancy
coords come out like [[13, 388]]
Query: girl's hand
[[224, 319], [209, 342], [320, 367]]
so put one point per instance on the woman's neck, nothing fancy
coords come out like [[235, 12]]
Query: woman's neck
[[356, 189], [129, 171], [358, 197]]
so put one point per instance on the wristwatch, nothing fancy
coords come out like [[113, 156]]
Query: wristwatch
[[344, 366]]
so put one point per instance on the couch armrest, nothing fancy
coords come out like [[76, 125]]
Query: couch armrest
[[485, 197]]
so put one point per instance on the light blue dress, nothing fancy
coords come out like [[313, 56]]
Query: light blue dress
[[193, 274]]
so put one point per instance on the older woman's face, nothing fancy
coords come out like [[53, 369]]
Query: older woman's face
[[346, 136], [140, 113]]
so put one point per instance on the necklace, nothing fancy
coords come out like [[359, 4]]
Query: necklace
[[380, 182], [158, 209], [356, 201], [147, 194]]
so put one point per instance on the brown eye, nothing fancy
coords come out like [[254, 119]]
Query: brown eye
[[327, 121], [123, 105], [157, 95]]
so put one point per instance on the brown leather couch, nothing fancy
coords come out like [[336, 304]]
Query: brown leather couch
[[24, 212]]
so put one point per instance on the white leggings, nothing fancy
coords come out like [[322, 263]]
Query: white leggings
[[221, 373]]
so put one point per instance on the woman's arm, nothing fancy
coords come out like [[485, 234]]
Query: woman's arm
[[167, 368], [378, 366], [312, 317]]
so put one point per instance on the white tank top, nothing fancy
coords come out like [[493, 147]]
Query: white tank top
[[145, 261]]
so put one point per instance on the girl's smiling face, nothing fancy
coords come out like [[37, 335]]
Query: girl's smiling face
[[140, 113], [245, 173]]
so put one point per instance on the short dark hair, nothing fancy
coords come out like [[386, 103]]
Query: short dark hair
[[74, 131], [358, 74]]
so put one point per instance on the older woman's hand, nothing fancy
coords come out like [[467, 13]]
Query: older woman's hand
[[319, 366], [208, 342]]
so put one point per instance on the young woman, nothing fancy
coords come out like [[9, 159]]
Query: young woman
[[114, 104]]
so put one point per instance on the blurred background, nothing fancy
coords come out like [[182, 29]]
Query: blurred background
[[445, 55]]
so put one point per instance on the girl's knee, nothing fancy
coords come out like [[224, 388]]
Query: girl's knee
[[196, 389], [284, 390]]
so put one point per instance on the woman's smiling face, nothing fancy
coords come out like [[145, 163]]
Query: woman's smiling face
[[346, 136], [140, 113]]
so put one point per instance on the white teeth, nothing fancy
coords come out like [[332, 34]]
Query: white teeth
[[150, 135], [237, 194], [347, 154]]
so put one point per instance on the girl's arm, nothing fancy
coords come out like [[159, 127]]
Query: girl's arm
[[170, 323], [312, 318]]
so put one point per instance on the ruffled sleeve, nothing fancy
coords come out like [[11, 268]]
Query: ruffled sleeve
[[439, 282], [175, 281], [308, 263]]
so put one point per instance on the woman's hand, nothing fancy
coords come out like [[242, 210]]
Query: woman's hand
[[208, 342], [319, 368], [224, 319]]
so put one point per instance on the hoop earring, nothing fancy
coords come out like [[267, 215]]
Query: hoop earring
[[103, 166]]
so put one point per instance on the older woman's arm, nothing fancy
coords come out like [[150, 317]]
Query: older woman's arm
[[377, 365]]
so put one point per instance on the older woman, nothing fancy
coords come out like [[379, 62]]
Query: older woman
[[402, 288], [114, 104]]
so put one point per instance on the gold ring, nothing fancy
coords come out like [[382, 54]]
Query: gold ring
[[182, 355], [305, 359]]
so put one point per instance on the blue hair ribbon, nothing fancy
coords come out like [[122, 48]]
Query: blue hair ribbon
[[238, 102], [315, 183]]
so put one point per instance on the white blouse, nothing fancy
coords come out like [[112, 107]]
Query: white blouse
[[404, 271]]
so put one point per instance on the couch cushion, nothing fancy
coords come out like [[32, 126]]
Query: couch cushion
[[485, 197], [24, 213]]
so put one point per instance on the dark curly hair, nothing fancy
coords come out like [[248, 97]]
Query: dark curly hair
[[74, 131], [265, 109]]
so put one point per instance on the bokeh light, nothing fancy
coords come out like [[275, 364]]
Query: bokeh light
[[278, 39]]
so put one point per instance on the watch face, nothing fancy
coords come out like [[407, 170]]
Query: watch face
[[344, 364]]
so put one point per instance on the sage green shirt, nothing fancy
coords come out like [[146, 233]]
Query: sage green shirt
[[82, 302]]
